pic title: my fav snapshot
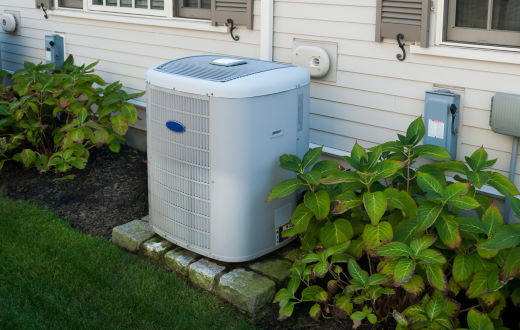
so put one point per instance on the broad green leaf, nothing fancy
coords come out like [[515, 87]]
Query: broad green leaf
[[478, 179], [511, 267], [375, 205], [344, 303], [374, 236], [431, 256], [340, 177], [315, 311], [119, 124], [377, 279], [401, 200], [311, 157], [487, 254], [282, 296], [472, 225], [515, 205], [326, 167], [286, 311], [503, 184], [284, 188], [372, 318], [346, 201], [478, 285], [311, 177], [28, 157], [318, 202], [357, 273], [463, 267], [336, 232], [404, 270], [82, 115], [449, 166], [357, 316], [355, 248], [313, 293], [448, 231], [129, 112], [300, 219], [114, 146], [479, 321], [434, 307], [415, 285], [321, 268], [506, 236], [429, 183], [358, 156], [394, 249], [406, 230], [478, 159], [435, 276], [291, 163], [455, 189], [492, 218], [415, 131], [422, 243], [373, 156], [386, 169], [100, 136], [76, 135], [400, 319], [427, 215], [429, 150], [463, 203]]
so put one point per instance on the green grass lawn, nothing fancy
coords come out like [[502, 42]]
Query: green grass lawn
[[52, 277]]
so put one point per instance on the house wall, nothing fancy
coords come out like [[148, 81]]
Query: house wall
[[374, 96]]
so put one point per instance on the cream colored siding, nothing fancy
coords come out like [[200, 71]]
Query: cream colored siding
[[125, 51], [376, 96]]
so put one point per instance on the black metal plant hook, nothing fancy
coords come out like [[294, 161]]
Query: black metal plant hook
[[232, 27], [42, 6], [401, 57]]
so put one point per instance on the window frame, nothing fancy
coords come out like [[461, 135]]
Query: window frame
[[488, 36]]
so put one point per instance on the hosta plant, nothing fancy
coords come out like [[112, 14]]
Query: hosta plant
[[393, 242], [50, 117]]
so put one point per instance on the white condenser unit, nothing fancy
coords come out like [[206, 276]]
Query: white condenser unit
[[216, 127]]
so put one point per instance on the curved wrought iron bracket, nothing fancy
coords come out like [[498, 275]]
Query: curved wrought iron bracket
[[232, 28], [400, 37], [42, 6]]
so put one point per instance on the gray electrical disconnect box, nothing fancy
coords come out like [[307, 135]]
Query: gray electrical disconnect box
[[54, 51], [441, 118], [505, 114]]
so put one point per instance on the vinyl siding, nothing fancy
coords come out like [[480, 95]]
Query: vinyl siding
[[375, 96]]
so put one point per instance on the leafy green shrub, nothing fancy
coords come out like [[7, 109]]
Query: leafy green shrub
[[386, 241], [50, 117]]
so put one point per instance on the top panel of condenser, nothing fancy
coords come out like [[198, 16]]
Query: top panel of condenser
[[227, 77]]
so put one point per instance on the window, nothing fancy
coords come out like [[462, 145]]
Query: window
[[218, 11], [490, 22], [142, 7]]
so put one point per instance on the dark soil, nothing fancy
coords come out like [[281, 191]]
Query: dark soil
[[111, 191]]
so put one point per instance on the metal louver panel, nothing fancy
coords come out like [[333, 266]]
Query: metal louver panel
[[409, 17], [179, 167], [240, 11]]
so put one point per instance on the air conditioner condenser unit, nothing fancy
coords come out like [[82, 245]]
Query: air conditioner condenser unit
[[216, 127]]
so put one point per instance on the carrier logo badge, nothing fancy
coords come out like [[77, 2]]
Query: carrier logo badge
[[175, 126]]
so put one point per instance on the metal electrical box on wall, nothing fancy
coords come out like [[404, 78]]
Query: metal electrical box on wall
[[54, 51], [505, 114], [441, 118]]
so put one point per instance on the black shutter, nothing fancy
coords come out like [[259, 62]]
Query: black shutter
[[240, 11], [409, 17]]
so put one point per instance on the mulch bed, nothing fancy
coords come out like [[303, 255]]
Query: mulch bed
[[111, 191]]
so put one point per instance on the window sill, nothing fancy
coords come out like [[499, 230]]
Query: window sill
[[176, 22], [471, 52]]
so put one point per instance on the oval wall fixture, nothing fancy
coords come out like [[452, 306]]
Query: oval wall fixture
[[175, 126], [315, 59], [8, 22]]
